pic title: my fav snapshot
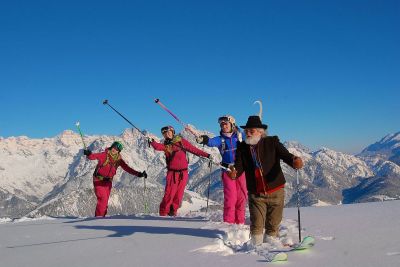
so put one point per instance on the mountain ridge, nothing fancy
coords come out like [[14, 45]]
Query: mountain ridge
[[56, 176]]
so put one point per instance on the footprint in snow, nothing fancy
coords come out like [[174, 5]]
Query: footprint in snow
[[393, 254], [327, 238]]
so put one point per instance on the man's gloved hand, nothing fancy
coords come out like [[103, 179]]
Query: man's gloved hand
[[87, 152], [143, 174], [297, 163], [232, 173]]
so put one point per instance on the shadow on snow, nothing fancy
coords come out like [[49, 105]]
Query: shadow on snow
[[121, 231]]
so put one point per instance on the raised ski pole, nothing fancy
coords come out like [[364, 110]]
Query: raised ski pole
[[80, 133], [105, 102], [298, 203], [157, 101]]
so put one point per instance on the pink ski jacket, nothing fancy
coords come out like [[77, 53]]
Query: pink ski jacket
[[107, 167], [175, 152]]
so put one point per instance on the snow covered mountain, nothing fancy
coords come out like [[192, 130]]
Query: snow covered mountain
[[388, 148], [30, 168], [52, 177], [325, 175], [331, 177]]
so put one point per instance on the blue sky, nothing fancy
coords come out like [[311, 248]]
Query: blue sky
[[326, 71]]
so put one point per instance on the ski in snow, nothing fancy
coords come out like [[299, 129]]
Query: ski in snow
[[307, 243], [270, 256], [276, 257]]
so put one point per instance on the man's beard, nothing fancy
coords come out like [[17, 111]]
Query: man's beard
[[252, 140]]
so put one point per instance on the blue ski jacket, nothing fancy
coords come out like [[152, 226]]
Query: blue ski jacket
[[227, 145]]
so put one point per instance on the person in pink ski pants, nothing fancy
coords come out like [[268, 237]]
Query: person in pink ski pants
[[235, 190], [175, 148], [108, 163]]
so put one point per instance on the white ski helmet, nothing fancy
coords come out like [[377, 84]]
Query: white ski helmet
[[227, 118]]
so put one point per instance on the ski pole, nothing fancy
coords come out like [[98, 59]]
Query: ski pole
[[175, 117], [209, 185], [210, 161], [298, 204], [105, 102], [80, 133], [146, 208]]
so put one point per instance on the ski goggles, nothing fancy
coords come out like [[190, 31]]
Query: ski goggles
[[166, 129], [223, 120]]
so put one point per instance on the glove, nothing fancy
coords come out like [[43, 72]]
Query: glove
[[142, 174], [199, 139], [232, 173], [167, 141], [297, 163], [87, 152], [150, 140], [202, 139]]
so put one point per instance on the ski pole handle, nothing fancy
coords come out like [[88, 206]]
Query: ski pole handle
[[157, 101], [210, 162], [80, 133]]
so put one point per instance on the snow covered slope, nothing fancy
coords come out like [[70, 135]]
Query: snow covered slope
[[347, 235]]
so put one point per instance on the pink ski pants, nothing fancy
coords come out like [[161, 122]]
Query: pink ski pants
[[235, 196], [102, 189], [174, 189]]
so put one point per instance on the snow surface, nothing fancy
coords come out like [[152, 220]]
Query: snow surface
[[347, 235]]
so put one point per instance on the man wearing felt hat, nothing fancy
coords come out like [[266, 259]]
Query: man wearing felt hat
[[259, 157]]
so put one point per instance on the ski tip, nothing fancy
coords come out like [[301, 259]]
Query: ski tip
[[310, 240], [261, 107], [157, 100], [105, 101], [307, 243], [280, 256]]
